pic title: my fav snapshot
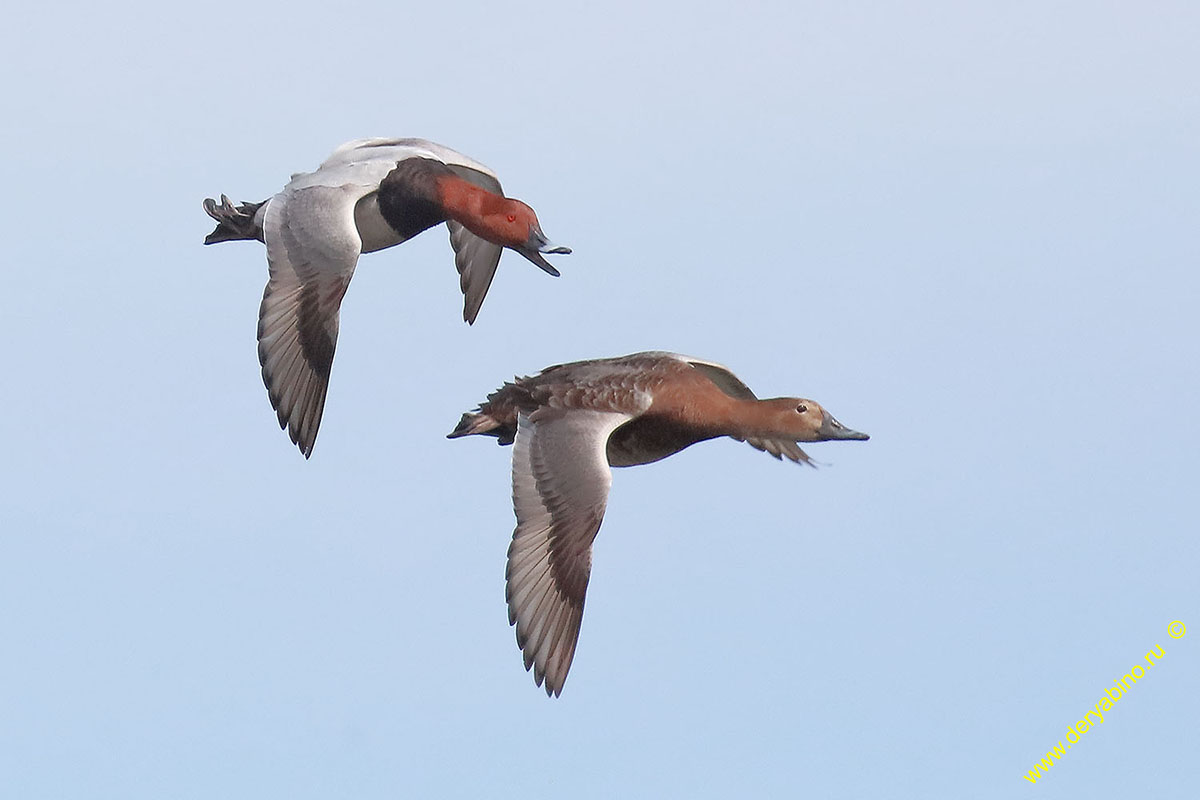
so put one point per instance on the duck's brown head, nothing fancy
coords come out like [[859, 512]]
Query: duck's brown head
[[513, 224], [805, 420]]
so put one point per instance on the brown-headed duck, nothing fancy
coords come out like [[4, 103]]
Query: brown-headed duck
[[569, 425], [369, 195]]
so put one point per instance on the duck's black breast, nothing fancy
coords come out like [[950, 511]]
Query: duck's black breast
[[408, 196], [648, 439]]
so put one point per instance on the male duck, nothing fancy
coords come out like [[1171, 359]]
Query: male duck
[[370, 194], [572, 422]]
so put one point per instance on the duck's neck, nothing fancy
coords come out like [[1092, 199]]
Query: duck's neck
[[420, 193], [468, 204], [710, 411], [746, 418]]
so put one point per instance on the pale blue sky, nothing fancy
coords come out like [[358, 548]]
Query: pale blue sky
[[968, 229]]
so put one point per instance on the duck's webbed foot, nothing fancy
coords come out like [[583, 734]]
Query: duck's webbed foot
[[233, 223]]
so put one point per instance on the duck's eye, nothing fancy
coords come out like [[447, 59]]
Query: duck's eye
[[512, 217], [800, 409]]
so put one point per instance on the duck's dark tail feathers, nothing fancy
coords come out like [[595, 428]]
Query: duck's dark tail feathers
[[497, 416], [472, 423], [484, 425], [233, 223]]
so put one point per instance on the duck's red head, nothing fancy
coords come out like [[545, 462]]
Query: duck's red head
[[513, 224], [501, 220]]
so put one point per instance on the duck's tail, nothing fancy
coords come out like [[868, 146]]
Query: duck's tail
[[497, 416], [485, 425], [234, 223]]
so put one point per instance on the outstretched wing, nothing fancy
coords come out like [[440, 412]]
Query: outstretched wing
[[475, 257], [312, 247], [561, 480], [725, 380]]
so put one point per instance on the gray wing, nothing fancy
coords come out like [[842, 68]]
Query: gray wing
[[725, 380], [732, 385], [475, 257], [312, 247], [397, 149], [561, 480]]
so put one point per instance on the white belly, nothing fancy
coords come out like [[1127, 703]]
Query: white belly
[[373, 229]]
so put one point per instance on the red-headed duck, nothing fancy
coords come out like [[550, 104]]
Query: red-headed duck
[[369, 195], [569, 425]]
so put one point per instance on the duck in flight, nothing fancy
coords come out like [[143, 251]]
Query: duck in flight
[[369, 195], [568, 425]]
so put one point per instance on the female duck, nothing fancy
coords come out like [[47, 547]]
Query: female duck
[[370, 194], [572, 422]]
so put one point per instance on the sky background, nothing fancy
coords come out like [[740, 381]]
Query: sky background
[[967, 229]]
